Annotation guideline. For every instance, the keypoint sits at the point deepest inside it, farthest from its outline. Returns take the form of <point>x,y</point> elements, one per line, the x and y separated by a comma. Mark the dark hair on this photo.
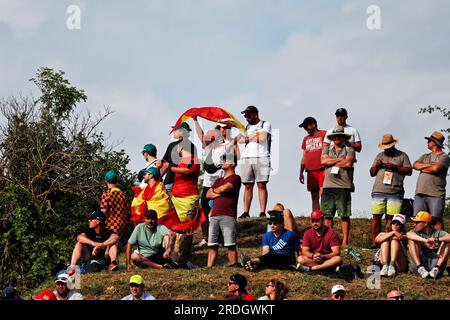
<point>228,156</point>
<point>281,290</point>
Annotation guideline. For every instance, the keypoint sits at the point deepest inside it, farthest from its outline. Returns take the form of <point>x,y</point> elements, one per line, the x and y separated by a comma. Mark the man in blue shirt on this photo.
<point>279,247</point>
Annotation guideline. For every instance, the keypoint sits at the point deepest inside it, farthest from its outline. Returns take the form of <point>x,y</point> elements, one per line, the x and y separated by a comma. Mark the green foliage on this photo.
<point>52,164</point>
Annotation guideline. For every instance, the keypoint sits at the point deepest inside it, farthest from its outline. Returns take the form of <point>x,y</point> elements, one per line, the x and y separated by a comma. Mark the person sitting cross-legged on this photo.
<point>320,246</point>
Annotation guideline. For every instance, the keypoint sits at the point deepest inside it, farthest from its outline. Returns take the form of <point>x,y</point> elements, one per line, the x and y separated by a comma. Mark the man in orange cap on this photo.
<point>320,246</point>
<point>430,188</point>
<point>428,254</point>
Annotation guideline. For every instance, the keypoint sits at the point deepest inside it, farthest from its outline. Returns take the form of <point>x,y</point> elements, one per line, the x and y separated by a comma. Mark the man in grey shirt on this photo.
<point>430,188</point>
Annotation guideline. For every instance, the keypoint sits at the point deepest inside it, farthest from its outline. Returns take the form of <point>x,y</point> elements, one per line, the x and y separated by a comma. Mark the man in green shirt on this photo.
<point>428,248</point>
<point>154,242</point>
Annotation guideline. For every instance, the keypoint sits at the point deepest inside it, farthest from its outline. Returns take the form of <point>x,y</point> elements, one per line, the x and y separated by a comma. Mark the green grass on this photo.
<point>207,284</point>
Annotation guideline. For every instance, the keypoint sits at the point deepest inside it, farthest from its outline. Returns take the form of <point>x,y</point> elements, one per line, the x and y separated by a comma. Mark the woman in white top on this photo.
<point>275,290</point>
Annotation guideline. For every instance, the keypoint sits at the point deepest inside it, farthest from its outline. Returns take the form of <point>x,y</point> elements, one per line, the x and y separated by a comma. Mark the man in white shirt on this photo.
<point>341,118</point>
<point>255,164</point>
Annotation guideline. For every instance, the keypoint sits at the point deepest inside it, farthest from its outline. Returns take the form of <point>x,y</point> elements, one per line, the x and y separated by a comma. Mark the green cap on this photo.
<point>154,172</point>
<point>150,149</point>
<point>183,125</point>
<point>111,176</point>
<point>137,279</point>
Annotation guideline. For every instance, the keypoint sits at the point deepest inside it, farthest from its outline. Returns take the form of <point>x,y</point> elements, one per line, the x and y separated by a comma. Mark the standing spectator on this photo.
<point>275,290</point>
<point>63,292</point>
<point>338,292</point>
<point>255,165</point>
<point>389,169</point>
<point>114,205</point>
<point>149,152</point>
<point>279,247</point>
<point>236,286</point>
<point>137,291</point>
<point>225,194</point>
<point>320,246</point>
<point>312,146</point>
<point>393,254</point>
<point>338,181</point>
<point>354,140</point>
<point>428,255</point>
<point>430,188</point>
<point>395,295</point>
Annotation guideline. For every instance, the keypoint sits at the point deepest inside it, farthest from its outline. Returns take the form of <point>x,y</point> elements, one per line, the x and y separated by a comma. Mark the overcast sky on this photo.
<point>151,60</point>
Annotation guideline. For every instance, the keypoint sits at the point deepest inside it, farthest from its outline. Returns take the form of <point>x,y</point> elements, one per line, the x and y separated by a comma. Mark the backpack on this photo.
<point>209,165</point>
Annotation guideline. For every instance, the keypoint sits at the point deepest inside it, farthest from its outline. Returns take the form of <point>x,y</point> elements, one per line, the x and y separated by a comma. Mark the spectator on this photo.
<point>338,292</point>
<point>338,182</point>
<point>137,289</point>
<point>114,205</point>
<point>236,286</point>
<point>92,244</point>
<point>255,164</point>
<point>320,246</point>
<point>354,140</point>
<point>275,290</point>
<point>279,247</point>
<point>430,188</point>
<point>389,169</point>
<point>62,291</point>
<point>312,146</point>
<point>46,295</point>
<point>10,293</point>
<point>428,255</point>
<point>149,152</point>
<point>225,194</point>
<point>395,295</point>
<point>154,241</point>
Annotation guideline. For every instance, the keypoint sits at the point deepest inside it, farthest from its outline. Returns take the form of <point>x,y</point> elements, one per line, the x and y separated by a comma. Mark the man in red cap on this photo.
<point>320,246</point>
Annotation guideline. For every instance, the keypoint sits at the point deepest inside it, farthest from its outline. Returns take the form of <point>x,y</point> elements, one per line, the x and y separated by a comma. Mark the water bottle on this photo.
<point>211,203</point>
<point>353,253</point>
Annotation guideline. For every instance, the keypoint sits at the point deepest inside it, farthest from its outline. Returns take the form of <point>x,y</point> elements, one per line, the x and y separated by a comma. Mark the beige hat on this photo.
<point>437,137</point>
<point>338,131</point>
<point>387,142</point>
<point>277,208</point>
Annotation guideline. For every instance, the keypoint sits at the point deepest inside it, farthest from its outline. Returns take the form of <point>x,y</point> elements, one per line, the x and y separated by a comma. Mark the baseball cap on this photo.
<point>276,216</point>
<point>45,295</point>
<point>151,215</point>
<point>154,172</point>
<point>137,279</point>
<point>111,176</point>
<point>317,214</point>
<point>400,218</point>
<point>307,121</point>
<point>98,215</point>
<point>150,149</point>
<point>63,277</point>
<point>336,288</point>
<point>341,112</point>
<point>183,125</point>
<point>422,216</point>
<point>250,109</point>
<point>240,280</point>
<point>9,292</point>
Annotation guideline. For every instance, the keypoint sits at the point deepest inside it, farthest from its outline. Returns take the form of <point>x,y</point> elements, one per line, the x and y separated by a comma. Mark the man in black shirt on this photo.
<point>93,243</point>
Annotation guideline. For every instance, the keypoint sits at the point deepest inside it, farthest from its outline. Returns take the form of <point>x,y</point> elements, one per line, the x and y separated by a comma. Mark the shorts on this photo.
<point>428,260</point>
<point>314,180</point>
<point>225,225</point>
<point>276,261</point>
<point>335,199</point>
<point>434,205</point>
<point>390,204</point>
<point>255,170</point>
<point>156,258</point>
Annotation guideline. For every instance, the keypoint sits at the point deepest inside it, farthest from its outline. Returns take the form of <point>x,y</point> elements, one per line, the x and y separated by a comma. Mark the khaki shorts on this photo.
<point>255,170</point>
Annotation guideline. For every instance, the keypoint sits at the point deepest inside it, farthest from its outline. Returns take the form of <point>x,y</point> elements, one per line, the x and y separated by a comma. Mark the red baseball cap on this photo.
<point>45,295</point>
<point>317,214</point>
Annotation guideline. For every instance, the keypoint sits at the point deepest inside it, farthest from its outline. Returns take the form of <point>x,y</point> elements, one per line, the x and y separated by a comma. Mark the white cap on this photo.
<point>64,277</point>
<point>400,218</point>
<point>336,288</point>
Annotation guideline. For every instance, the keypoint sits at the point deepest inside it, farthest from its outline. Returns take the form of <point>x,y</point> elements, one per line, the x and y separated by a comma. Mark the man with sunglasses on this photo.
<point>320,246</point>
<point>338,292</point>
<point>395,295</point>
<point>137,289</point>
<point>428,254</point>
<point>279,247</point>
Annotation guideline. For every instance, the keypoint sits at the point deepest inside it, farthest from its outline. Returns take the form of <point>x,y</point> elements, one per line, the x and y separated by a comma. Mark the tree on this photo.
<point>52,162</point>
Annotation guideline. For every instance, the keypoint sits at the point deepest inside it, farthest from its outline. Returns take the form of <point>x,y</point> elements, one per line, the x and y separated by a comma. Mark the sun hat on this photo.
<point>387,142</point>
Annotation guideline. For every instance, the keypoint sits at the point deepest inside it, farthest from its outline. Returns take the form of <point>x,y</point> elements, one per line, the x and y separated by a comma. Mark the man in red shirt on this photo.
<point>312,150</point>
<point>320,246</point>
<point>236,286</point>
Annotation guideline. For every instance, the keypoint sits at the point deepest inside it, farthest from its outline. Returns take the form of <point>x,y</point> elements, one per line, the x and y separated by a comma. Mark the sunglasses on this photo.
<point>315,220</point>
<point>274,223</point>
<point>230,283</point>
<point>134,285</point>
<point>397,223</point>
<point>270,285</point>
<point>339,296</point>
<point>397,298</point>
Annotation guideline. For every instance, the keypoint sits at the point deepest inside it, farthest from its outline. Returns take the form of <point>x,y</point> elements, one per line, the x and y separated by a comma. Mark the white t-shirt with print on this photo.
<point>217,152</point>
<point>254,149</point>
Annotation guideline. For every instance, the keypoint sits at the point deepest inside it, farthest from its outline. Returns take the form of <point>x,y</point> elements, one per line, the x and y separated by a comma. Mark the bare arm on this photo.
<point>112,240</point>
<point>214,193</point>
<point>306,251</point>
<point>383,236</point>
<point>184,171</point>
<point>433,168</point>
<point>302,168</point>
<point>265,250</point>
<point>82,237</point>
<point>417,165</point>
<point>357,146</point>
<point>198,130</point>
<point>335,252</point>
<point>347,162</point>
<point>326,160</point>
<point>414,237</point>
<point>128,256</point>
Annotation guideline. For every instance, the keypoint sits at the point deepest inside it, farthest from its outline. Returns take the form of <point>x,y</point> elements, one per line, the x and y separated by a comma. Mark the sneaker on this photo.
<point>243,259</point>
<point>249,266</point>
<point>113,267</point>
<point>262,215</point>
<point>201,244</point>
<point>303,268</point>
<point>423,272</point>
<point>435,272</point>
<point>244,215</point>
<point>384,270</point>
<point>391,271</point>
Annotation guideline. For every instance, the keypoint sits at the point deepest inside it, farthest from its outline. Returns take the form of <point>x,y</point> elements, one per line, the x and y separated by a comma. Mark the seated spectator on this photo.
<point>279,247</point>
<point>393,254</point>
<point>137,289</point>
<point>275,290</point>
<point>63,292</point>
<point>93,244</point>
<point>288,217</point>
<point>154,242</point>
<point>236,286</point>
<point>428,255</point>
<point>395,295</point>
<point>320,246</point>
<point>338,292</point>
<point>10,293</point>
<point>45,295</point>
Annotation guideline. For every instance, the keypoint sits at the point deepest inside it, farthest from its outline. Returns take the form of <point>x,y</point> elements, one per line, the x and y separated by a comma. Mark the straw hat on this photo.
<point>437,137</point>
<point>387,142</point>
<point>338,131</point>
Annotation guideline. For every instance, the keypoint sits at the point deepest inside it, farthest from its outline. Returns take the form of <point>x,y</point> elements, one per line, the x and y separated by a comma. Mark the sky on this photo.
<point>149,61</point>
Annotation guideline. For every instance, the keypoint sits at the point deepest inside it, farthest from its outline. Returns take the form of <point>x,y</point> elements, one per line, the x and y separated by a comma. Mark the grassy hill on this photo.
<point>207,284</point>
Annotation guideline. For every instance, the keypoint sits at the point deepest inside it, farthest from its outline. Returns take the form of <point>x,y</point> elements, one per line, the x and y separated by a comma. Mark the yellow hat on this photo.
<point>137,279</point>
<point>422,216</point>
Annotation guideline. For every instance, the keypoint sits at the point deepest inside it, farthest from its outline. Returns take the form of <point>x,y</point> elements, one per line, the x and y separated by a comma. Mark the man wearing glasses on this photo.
<point>428,248</point>
<point>236,287</point>
<point>338,292</point>
<point>320,246</point>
